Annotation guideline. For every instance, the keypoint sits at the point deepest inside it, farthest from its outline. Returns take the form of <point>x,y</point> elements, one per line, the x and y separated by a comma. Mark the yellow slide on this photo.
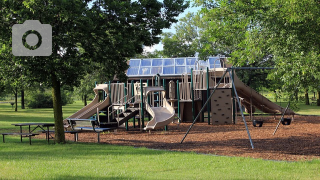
<point>161,116</point>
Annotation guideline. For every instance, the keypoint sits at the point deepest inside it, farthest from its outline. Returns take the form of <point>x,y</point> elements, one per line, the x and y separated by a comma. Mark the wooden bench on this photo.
<point>19,134</point>
<point>75,133</point>
<point>93,126</point>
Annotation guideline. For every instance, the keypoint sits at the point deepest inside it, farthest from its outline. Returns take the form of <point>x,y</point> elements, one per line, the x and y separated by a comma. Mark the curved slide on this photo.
<point>161,116</point>
<point>91,108</point>
<point>259,101</point>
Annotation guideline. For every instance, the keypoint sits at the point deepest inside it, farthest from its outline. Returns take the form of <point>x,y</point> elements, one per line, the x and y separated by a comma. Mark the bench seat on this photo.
<point>19,134</point>
<point>98,130</point>
<point>94,126</point>
<point>92,129</point>
<point>75,133</point>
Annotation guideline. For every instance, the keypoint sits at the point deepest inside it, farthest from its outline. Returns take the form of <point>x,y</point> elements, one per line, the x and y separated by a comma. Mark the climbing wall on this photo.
<point>221,107</point>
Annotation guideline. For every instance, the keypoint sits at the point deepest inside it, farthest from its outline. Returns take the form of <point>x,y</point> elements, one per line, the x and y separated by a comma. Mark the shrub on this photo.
<point>39,100</point>
<point>43,99</point>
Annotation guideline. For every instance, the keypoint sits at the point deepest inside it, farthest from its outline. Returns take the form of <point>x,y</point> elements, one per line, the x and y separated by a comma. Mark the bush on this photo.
<point>40,99</point>
<point>66,97</point>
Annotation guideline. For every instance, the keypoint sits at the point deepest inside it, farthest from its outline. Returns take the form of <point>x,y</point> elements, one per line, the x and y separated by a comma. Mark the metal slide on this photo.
<point>161,116</point>
<point>91,108</point>
<point>259,101</point>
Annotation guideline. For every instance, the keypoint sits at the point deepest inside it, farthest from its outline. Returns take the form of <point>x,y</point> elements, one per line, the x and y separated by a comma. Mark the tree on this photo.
<point>286,31</point>
<point>153,54</point>
<point>186,41</point>
<point>106,31</point>
<point>87,83</point>
<point>11,76</point>
<point>2,87</point>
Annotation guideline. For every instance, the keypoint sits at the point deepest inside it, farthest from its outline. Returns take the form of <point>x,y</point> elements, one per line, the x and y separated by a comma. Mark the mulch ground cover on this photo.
<point>298,141</point>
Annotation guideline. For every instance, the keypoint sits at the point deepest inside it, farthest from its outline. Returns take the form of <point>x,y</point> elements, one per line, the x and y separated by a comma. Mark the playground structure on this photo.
<point>163,89</point>
<point>125,106</point>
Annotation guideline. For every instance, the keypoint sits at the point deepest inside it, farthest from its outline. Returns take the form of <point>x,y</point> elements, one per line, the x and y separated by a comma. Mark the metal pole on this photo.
<point>133,99</point>
<point>239,104</point>
<point>281,119</point>
<point>132,91</point>
<point>233,102</point>
<point>203,107</point>
<point>178,100</point>
<point>164,87</point>
<point>192,94</point>
<point>208,92</point>
<point>109,88</point>
<point>157,93</point>
<point>125,94</point>
<point>125,106</point>
<point>148,100</point>
<point>142,108</point>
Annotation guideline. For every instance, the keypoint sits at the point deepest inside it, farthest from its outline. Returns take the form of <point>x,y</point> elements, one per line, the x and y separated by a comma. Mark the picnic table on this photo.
<point>36,126</point>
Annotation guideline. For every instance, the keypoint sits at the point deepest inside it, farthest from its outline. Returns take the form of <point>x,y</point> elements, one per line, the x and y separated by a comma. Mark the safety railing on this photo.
<point>111,114</point>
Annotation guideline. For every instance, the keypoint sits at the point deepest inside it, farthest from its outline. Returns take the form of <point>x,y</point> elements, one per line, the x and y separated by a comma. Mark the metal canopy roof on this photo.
<point>169,66</point>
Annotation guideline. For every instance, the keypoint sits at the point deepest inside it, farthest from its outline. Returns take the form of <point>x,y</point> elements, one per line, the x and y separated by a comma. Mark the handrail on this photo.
<point>156,75</point>
<point>112,106</point>
<point>118,102</point>
<point>120,105</point>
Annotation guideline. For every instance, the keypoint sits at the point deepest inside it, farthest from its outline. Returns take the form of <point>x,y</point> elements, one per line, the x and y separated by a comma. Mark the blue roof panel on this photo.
<point>180,62</point>
<point>157,62</point>
<point>156,70</point>
<point>134,63</point>
<point>168,70</point>
<point>169,66</point>
<point>145,62</point>
<point>168,62</point>
<point>191,61</point>
<point>145,71</point>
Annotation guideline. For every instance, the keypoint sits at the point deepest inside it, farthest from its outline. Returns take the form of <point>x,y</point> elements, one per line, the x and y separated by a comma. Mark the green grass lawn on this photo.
<point>308,109</point>
<point>303,109</point>
<point>103,161</point>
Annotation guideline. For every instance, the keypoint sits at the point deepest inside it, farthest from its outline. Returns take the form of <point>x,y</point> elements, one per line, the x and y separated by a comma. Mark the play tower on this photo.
<point>162,90</point>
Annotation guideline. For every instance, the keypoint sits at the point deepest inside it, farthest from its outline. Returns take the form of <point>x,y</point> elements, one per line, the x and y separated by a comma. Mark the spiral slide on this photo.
<point>259,101</point>
<point>161,116</point>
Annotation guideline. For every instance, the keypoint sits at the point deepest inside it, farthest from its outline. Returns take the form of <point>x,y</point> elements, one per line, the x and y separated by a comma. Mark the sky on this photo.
<point>159,46</point>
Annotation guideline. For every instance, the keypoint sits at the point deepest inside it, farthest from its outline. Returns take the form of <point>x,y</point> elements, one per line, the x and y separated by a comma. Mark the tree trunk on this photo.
<point>22,99</point>
<point>296,96</point>
<point>306,96</point>
<point>318,98</point>
<point>16,100</point>
<point>85,100</point>
<point>57,110</point>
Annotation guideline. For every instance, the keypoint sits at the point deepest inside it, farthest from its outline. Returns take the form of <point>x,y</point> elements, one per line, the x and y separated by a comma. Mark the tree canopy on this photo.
<point>187,39</point>
<point>286,33</point>
<point>84,31</point>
